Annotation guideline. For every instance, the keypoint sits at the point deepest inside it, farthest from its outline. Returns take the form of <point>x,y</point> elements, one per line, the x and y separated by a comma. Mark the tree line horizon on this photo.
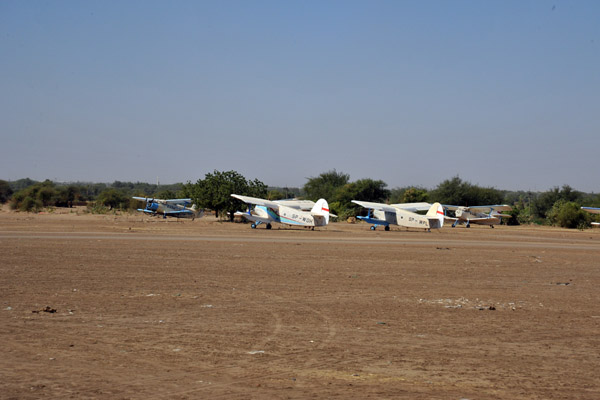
<point>559,206</point>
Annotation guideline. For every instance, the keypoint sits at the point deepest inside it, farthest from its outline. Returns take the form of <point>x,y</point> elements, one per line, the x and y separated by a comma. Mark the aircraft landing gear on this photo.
<point>468,225</point>
<point>268,226</point>
<point>492,226</point>
<point>373,227</point>
<point>253,226</point>
<point>387,228</point>
<point>454,225</point>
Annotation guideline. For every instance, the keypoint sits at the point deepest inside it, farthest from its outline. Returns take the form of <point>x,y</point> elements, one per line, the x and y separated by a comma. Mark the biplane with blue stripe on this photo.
<point>289,212</point>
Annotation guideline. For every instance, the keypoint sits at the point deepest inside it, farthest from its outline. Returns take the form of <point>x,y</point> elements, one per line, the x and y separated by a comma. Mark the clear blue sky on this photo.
<point>501,93</point>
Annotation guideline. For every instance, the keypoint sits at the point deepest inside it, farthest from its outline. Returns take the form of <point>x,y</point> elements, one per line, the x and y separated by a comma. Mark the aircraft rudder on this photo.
<point>321,209</point>
<point>436,211</point>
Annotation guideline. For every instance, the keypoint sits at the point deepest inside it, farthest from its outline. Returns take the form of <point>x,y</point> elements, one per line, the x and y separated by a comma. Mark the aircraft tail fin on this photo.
<point>435,216</point>
<point>321,211</point>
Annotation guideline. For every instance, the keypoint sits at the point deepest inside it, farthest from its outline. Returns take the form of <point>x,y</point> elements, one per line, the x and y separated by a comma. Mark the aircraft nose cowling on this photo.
<point>152,206</point>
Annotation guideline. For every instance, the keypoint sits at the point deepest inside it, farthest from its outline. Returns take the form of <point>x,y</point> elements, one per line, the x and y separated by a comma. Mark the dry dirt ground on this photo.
<point>147,308</point>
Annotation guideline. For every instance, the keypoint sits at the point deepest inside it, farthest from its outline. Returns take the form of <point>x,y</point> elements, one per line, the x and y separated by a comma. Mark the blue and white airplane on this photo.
<point>592,210</point>
<point>289,212</point>
<point>177,208</point>
<point>403,214</point>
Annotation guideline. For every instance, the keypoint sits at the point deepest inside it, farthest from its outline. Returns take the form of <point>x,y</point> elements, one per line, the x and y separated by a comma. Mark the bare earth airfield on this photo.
<point>146,308</point>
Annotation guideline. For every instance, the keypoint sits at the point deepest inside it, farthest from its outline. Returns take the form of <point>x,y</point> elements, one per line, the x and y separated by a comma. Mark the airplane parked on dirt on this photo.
<point>403,215</point>
<point>592,210</point>
<point>289,212</point>
<point>177,208</point>
<point>481,215</point>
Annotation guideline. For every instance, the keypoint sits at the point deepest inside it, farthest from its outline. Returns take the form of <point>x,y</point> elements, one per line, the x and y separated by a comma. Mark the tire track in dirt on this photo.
<point>391,240</point>
<point>276,365</point>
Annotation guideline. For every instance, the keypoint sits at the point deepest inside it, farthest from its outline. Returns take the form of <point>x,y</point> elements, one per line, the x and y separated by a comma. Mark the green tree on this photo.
<point>362,190</point>
<point>214,191</point>
<point>114,199</point>
<point>542,205</point>
<point>5,191</point>
<point>21,184</point>
<point>415,195</point>
<point>34,197</point>
<point>275,195</point>
<point>325,185</point>
<point>457,192</point>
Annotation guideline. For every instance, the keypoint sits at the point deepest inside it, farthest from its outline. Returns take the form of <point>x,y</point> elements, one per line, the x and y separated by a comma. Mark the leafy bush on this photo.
<point>568,214</point>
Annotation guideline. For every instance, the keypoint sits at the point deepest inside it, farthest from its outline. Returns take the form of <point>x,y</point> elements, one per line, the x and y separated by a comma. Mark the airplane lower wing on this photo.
<point>178,212</point>
<point>178,201</point>
<point>376,222</point>
<point>476,220</point>
<point>253,218</point>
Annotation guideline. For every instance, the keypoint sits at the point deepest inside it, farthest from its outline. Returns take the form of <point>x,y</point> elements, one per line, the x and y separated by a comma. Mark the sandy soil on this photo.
<point>147,308</point>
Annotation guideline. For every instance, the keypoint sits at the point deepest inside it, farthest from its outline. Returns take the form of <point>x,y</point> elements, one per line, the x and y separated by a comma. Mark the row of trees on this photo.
<point>558,206</point>
<point>29,195</point>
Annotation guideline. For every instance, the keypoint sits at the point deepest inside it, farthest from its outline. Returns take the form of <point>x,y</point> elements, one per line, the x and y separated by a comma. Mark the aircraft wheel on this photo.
<point>468,225</point>
<point>253,226</point>
<point>454,225</point>
<point>387,228</point>
<point>268,226</point>
<point>373,228</point>
<point>492,226</point>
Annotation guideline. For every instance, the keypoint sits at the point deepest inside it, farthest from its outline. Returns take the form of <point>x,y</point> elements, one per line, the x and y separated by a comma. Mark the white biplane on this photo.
<point>289,212</point>
<point>481,215</point>
<point>177,208</point>
<point>403,215</point>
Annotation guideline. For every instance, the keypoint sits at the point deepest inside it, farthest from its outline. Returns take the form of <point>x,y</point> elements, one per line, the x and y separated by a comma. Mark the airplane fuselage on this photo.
<point>175,210</point>
<point>402,218</point>
<point>285,215</point>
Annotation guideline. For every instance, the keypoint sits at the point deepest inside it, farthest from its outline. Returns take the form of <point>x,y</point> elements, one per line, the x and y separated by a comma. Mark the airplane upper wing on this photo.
<point>257,201</point>
<point>375,206</point>
<point>592,210</point>
<point>495,207</point>
<point>484,209</point>
<point>304,205</point>
<point>413,206</point>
